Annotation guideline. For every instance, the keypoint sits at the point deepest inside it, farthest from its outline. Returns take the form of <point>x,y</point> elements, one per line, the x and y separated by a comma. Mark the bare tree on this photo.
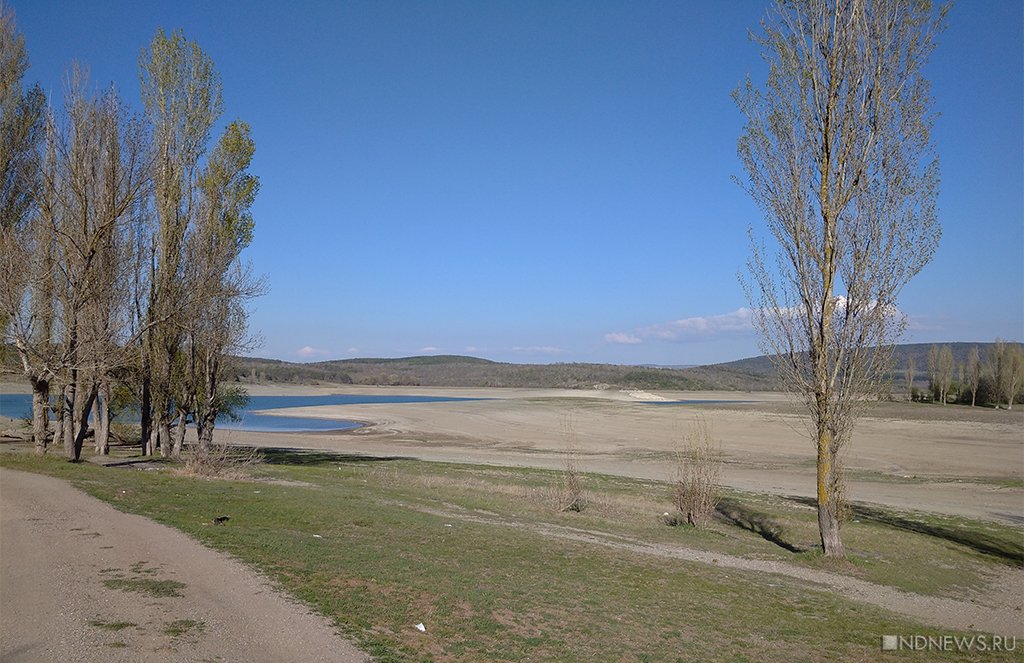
<point>96,177</point>
<point>973,373</point>
<point>838,155</point>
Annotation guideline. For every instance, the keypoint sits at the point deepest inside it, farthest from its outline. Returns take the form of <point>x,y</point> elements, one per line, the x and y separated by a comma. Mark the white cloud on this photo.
<point>686,329</point>
<point>538,350</point>
<point>352,351</point>
<point>736,322</point>
<point>308,352</point>
<point>429,349</point>
<point>623,338</point>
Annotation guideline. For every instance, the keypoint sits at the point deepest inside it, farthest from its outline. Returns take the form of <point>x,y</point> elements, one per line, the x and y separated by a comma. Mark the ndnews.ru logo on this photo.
<point>959,643</point>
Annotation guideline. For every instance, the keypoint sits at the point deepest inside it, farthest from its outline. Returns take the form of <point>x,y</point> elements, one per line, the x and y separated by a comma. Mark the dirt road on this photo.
<point>80,581</point>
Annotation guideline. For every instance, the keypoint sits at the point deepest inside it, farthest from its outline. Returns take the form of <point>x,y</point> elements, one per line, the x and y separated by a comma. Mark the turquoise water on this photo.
<point>20,405</point>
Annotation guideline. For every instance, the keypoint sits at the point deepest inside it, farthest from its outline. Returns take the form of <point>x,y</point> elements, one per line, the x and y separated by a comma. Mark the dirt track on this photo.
<point>61,548</point>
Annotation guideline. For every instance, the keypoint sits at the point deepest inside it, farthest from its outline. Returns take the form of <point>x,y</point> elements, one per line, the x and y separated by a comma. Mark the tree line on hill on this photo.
<point>121,233</point>
<point>457,371</point>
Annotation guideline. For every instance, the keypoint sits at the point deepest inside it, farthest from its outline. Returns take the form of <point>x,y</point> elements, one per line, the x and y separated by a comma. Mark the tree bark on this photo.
<point>208,420</point>
<point>68,419</point>
<point>58,421</point>
<point>165,437</point>
<point>146,422</point>
<point>103,422</point>
<point>96,426</point>
<point>828,511</point>
<point>40,413</point>
<point>151,442</point>
<point>179,434</point>
<point>83,406</point>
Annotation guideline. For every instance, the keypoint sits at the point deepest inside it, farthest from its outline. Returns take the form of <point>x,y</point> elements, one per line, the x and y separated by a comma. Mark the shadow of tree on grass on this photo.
<point>285,456</point>
<point>1000,547</point>
<point>759,523</point>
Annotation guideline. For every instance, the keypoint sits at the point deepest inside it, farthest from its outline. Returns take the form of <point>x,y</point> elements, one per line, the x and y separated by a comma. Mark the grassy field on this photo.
<point>494,571</point>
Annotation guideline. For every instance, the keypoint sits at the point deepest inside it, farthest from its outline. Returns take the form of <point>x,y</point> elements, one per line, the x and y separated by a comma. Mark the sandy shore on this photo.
<point>947,460</point>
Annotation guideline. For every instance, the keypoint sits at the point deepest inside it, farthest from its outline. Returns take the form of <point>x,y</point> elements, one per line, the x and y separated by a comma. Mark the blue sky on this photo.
<point>541,181</point>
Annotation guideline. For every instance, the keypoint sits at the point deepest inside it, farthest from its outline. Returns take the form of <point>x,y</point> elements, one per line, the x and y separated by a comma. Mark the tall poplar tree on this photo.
<point>181,94</point>
<point>839,159</point>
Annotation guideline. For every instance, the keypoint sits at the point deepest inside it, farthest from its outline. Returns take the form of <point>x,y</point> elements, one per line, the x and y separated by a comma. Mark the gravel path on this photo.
<point>81,581</point>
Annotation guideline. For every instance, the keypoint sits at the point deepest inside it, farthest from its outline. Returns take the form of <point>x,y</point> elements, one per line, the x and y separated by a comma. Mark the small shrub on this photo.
<point>698,470</point>
<point>571,494</point>
<point>220,461</point>
<point>124,433</point>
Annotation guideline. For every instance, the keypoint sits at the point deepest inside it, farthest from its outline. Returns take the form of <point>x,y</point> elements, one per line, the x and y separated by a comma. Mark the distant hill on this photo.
<point>459,371</point>
<point>751,374</point>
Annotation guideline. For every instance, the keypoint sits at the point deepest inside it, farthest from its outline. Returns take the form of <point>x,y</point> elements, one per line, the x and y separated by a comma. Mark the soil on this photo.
<point>85,582</point>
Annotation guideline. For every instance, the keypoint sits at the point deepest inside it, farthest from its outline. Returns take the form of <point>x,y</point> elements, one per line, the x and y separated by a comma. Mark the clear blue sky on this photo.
<point>541,181</point>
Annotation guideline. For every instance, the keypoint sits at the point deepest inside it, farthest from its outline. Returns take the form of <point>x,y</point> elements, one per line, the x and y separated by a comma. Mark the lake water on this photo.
<point>20,405</point>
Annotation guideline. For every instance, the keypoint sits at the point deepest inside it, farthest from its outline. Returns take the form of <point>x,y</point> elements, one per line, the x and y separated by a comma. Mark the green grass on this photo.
<point>154,588</point>
<point>142,583</point>
<point>381,546</point>
<point>180,627</point>
<point>111,626</point>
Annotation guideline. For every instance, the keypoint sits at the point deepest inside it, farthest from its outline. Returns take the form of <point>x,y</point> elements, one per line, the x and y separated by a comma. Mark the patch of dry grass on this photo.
<point>219,461</point>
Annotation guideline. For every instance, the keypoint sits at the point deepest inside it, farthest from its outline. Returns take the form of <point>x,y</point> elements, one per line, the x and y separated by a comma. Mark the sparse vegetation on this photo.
<point>180,627</point>
<point>698,470</point>
<point>111,626</point>
<point>571,494</point>
<point>479,556</point>
<point>219,460</point>
<point>147,586</point>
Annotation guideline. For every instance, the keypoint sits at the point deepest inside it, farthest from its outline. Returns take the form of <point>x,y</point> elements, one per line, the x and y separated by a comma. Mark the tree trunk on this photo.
<point>96,426</point>
<point>165,437</point>
<point>40,413</point>
<point>152,441</point>
<point>146,413</point>
<point>974,394</point>
<point>82,409</point>
<point>179,435</point>
<point>828,511</point>
<point>103,423</point>
<point>206,432</point>
<point>68,419</point>
<point>208,420</point>
<point>58,418</point>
